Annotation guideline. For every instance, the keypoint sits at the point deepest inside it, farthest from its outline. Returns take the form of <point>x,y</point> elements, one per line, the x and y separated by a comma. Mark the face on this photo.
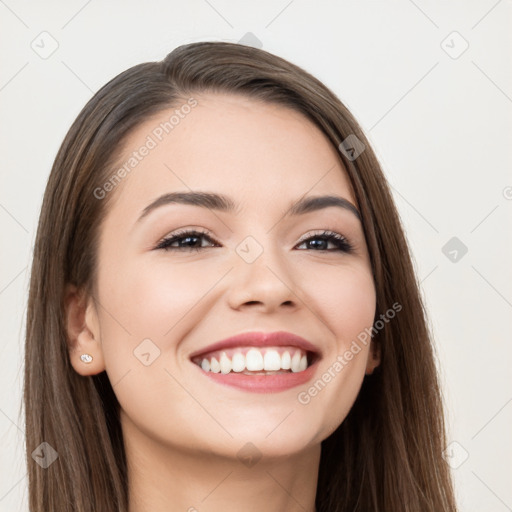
<point>258,268</point>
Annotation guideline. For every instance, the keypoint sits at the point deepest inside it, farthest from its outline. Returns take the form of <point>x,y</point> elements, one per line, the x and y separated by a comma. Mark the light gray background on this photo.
<point>440,123</point>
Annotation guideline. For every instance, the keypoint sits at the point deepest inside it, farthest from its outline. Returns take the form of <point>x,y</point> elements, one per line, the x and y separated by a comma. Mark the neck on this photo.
<point>171,479</point>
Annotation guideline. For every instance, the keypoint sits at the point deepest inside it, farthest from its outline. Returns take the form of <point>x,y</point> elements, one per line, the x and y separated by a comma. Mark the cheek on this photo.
<point>152,297</point>
<point>344,298</point>
<point>147,308</point>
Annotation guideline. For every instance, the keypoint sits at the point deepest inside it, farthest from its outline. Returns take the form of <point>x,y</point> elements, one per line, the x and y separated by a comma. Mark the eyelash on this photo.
<point>343,245</point>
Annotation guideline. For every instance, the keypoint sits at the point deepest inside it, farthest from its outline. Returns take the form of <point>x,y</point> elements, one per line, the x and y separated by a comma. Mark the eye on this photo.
<point>190,240</point>
<point>185,240</point>
<point>326,237</point>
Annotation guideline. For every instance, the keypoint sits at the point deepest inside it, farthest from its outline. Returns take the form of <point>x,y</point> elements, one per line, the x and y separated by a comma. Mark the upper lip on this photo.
<point>260,339</point>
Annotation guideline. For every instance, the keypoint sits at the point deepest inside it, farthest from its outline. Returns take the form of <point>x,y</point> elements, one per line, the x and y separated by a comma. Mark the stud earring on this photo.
<point>86,358</point>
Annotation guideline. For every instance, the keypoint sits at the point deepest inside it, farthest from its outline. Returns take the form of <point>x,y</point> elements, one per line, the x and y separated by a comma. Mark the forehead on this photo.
<point>251,150</point>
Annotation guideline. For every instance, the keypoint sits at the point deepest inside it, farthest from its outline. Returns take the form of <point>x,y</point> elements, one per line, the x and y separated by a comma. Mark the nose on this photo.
<point>265,283</point>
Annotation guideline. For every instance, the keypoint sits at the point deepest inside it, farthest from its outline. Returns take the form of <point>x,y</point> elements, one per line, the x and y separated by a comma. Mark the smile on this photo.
<point>259,362</point>
<point>255,360</point>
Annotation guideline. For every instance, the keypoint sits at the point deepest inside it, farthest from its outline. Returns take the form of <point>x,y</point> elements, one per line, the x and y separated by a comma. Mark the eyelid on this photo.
<point>320,232</point>
<point>329,234</point>
<point>186,231</point>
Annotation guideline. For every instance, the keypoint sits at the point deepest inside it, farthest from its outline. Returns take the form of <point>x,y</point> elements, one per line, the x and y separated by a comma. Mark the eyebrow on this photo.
<point>224,203</point>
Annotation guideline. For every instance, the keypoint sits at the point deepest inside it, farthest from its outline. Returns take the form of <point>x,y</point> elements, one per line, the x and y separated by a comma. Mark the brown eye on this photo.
<point>185,240</point>
<point>321,241</point>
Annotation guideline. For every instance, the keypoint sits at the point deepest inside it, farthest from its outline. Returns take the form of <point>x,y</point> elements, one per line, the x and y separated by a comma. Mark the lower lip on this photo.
<point>262,383</point>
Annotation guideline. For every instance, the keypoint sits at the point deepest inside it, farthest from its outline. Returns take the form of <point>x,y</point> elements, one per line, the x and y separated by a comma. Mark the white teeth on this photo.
<point>286,361</point>
<point>254,360</point>
<point>257,360</point>
<point>295,362</point>
<point>215,365</point>
<point>272,360</point>
<point>225,363</point>
<point>238,362</point>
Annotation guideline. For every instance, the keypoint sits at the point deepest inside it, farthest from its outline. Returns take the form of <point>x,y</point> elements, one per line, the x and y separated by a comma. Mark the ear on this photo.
<point>83,332</point>
<point>373,357</point>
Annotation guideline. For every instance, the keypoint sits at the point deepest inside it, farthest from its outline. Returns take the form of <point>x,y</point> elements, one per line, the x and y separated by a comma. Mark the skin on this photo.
<point>182,431</point>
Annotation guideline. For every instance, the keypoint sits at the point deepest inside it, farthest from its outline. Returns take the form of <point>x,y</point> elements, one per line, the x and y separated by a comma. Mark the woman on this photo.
<point>223,313</point>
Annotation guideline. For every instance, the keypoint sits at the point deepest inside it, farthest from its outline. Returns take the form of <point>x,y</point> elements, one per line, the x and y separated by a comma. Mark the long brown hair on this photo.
<point>387,453</point>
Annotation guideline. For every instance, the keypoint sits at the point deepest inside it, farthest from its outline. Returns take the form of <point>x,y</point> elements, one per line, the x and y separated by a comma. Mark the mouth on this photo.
<point>256,361</point>
<point>260,362</point>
